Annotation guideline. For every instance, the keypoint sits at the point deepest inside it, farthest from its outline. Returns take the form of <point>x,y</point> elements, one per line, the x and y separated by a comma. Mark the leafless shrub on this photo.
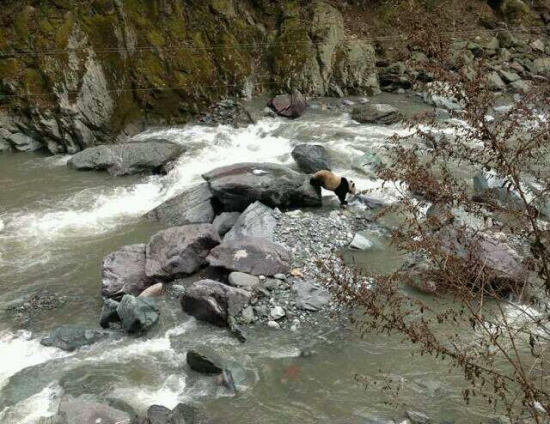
<point>480,251</point>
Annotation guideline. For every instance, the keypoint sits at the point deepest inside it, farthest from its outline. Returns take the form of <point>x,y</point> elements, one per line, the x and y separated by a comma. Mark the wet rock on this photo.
<point>179,251</point>
<point>277,313</point>
<point>237,186</point>
<point>418,417</point>
<point>123,272</point>
<point>70,337</point>
<point>109,314</point>
<point>214,302</point>
<point>225,221</point>
<point>244,281</point>
<point>289,106</point>
<point>309,297</point>
<point>258,220</point>
<point>360,242</point>
<point>137,314</point>
<point>193,206</point>
<point>311,158</point>
<point>158,414</point>
<point>256,256</point>
<point>24,143</point>
<point>376,114</point>
<point>200,363</point>
<point>83,410</point>
<point>126,159</point>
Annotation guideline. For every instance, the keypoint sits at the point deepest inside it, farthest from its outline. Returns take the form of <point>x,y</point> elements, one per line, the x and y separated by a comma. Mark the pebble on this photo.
<point>281,277</point>
<point>277,313</point>
<point>273,324</point>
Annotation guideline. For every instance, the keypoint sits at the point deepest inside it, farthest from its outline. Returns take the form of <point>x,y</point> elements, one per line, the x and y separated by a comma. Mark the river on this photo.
<point>57,224</point>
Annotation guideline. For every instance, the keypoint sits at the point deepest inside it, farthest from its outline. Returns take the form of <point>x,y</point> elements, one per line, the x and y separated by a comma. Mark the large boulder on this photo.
<point>225,221</point>
<point>126,159</point>
<point>84,410</point>
<point>179,251</point>
<point>237,186</point>
<point>123,272</point>
<point>310,297</point>
<point>288,105</point>
<point>376,114</point>
<point>193,206</point>
<point>72,337</point>
<point>181,414</point>
<point>109,314</point>
<point>311,158</point>
<point>251,255</point>
<point>214,302</point>
<point>258,220</point>
<point>137,314</point>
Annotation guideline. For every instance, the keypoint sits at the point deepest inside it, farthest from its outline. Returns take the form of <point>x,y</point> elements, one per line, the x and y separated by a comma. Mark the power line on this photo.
<point>237,46</point>
<point>146,89</point>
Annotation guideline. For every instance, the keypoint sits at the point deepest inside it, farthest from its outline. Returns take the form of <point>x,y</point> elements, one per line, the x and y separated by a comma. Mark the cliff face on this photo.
<point>77,73</point>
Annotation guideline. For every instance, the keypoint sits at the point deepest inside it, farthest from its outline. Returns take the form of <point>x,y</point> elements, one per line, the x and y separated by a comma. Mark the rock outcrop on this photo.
<point>83,97</point>
<point>235,187</point>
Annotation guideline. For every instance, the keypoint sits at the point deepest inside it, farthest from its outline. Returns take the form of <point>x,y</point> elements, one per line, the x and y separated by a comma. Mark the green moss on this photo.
<point>10,68</point>
<point>156,38</point>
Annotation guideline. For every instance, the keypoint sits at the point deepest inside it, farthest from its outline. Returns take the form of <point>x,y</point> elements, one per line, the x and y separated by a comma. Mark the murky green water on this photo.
<point>57,224</point>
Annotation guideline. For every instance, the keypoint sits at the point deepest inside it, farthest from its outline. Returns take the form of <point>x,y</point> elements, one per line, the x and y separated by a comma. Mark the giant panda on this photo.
<point>330,181</point>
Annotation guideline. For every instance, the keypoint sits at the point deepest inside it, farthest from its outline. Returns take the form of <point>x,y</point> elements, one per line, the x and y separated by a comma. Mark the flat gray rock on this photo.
<point>225,221</point>
<point>244,281</point>
<point>251,255</point>
<point>72,337</point>
<point>237,186</point>
<point>258,220</point>
<point>179,251</point>
<point>127,158</point>
<point>193,206</point>
<point>214,302</point>
<point>123,272</point>
<point>311,158</point>
<point>310,297</point>
<point>376,114</point>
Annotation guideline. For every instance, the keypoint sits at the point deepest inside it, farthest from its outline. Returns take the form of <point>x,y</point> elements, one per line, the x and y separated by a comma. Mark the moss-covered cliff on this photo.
<point>75,73</point>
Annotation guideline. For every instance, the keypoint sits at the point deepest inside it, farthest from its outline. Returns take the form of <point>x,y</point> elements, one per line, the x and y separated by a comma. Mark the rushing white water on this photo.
<point>29,411</point>
<point>96,210</point>
<point>18,351</point>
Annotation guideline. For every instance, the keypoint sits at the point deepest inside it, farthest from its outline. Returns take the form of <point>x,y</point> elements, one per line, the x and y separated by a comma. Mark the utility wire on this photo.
<point>237,46</point>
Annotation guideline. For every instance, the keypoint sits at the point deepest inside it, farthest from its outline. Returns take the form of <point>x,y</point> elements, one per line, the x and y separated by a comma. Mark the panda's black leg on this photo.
<point>342,197</point>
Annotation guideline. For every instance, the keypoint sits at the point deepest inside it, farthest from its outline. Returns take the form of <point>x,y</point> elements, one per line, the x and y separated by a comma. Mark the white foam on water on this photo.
<point>18,351</point>
<point>94,211</point>
<point>30,410</point>
<point>171,392</point>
